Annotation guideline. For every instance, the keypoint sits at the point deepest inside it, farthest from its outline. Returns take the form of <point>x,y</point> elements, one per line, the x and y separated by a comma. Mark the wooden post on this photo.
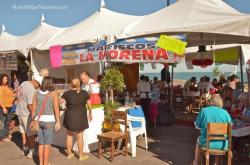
<point>241,70</point>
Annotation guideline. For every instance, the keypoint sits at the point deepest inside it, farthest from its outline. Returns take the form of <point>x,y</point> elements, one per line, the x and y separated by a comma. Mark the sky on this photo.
<point>22,16</point>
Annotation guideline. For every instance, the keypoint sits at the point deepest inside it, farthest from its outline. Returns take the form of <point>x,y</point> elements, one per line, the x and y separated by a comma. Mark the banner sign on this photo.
<point>127,51</point>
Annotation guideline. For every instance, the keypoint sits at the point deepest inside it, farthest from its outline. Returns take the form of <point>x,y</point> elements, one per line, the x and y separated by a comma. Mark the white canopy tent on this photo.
<point>103,24</point>
<point>6,39</point>
<point>22,44</point>
<point>205,22</point>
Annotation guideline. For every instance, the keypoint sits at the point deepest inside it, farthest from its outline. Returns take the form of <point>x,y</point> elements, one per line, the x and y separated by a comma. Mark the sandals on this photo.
<point>83,157</point>
<point>70,156</point>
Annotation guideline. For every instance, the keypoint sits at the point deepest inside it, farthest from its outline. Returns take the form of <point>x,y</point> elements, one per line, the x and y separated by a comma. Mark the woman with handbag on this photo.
<point>76,118</point>
<point>46,117</point>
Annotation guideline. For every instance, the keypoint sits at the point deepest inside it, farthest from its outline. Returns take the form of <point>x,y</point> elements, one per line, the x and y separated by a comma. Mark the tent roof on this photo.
<point>214,18</point>
<point>103,23</point>
<point>6,39</point>
<point>44,31</point>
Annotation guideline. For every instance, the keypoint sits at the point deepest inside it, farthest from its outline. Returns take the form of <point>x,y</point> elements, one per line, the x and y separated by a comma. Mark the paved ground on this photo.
<point>167,145</point>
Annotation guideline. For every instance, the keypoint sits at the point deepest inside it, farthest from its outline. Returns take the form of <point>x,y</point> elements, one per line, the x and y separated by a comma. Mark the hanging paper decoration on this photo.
<point>203,59</point>
<point>172,44</point>
<point>55,56</point>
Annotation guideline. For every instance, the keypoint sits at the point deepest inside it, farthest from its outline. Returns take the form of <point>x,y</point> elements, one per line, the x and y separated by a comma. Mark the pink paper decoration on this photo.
<point>55,56</point>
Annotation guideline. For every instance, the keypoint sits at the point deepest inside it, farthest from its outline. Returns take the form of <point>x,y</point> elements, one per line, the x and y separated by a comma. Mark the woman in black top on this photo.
<point>76,118</point>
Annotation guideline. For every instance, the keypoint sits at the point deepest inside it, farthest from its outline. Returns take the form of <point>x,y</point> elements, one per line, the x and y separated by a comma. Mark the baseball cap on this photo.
<point>38,78</point>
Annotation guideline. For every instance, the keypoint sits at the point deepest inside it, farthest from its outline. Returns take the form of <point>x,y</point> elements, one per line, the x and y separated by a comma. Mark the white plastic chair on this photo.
<point>134,132</point>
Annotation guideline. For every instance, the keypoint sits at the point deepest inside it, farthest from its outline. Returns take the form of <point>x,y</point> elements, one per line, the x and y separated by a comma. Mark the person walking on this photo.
<point>45,109</point>
<point>76,118</point>
<point>25,94</point>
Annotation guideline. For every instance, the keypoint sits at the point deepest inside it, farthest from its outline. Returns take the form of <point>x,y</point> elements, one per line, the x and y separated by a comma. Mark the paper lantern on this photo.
<point>202,59</point>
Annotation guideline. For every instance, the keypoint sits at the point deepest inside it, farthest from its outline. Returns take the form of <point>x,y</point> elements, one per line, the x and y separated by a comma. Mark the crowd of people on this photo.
<point>229,89</point>
<point>37,101</point>
<point>226,103</point>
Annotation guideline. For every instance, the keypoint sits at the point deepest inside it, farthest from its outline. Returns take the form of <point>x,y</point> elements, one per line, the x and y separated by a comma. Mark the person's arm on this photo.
<point>29,98</point>
<point>198,121</point>
<point>33,108</point>
<point>56,110</point>
<point>89,106</point>
<point>5,111</point>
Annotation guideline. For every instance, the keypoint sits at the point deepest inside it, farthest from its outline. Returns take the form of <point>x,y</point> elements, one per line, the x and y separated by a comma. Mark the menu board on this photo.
<point>8,62</point>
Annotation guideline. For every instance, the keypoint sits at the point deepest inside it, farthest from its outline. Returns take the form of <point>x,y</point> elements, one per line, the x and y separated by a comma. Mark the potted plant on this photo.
<point>113,80</point>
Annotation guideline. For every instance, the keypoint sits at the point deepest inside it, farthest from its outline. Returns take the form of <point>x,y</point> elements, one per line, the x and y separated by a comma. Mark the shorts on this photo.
<point>46,132</point>
<point>25,124</point>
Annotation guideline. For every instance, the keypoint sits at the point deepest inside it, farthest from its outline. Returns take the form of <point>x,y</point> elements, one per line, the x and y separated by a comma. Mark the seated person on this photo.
<point>243,119</point>
<point>189,83</point>
<point>227,98</point>
<point>213,113</point>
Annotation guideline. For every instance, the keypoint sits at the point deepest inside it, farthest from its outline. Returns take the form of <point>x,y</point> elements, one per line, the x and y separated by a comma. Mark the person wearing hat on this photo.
<point>25,94</point>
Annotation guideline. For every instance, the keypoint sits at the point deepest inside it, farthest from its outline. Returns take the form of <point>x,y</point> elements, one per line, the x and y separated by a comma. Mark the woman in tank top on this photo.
<point>45,108</point>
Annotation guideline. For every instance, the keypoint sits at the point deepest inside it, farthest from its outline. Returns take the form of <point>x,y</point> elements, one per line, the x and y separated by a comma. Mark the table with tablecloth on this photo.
<point>89,135</point>
<point>240,132</point>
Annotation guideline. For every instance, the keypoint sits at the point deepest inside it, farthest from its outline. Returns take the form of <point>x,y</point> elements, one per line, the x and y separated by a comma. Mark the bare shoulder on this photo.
<point>54,93</point>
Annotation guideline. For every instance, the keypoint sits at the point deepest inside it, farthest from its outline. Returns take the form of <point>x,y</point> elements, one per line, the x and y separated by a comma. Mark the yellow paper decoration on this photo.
<point>227,56</point>
<point>172,44</point>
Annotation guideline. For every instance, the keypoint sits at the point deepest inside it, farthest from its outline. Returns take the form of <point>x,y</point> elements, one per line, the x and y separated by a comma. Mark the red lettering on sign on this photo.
<point>113,54</point>
<point>161,53</point>
<point>89,57</point>
<point>81,57</point>
<point>124,54</point>
<point>148,54</point>
<point>136,54</point>
<point>101,55</point>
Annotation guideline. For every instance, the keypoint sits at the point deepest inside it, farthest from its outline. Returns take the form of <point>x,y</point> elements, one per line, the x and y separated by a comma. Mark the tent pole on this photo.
<point>171,89</point>
<point>241,69</point>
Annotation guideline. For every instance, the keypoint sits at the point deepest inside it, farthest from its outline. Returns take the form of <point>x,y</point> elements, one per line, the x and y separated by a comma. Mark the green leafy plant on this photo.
<point>113,80</point>
<point>217,72</point>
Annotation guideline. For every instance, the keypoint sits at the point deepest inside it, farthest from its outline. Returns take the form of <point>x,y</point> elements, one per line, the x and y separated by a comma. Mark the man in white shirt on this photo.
<point>144,90</point>
<point>25,94</point>
<point>92,87</point>
<point>205,86</point>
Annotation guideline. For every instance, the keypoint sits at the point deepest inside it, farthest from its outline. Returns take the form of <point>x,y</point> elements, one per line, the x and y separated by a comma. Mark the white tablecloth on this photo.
<point>239,132</point>
<point>90,134</point>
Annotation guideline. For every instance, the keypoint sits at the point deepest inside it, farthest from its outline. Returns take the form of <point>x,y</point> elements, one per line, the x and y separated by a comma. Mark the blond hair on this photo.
<point>75,83</point>
<point>216,101</point>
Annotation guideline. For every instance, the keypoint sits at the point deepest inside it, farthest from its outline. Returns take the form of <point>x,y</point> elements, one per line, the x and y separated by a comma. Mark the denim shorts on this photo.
<point>46,132</point>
